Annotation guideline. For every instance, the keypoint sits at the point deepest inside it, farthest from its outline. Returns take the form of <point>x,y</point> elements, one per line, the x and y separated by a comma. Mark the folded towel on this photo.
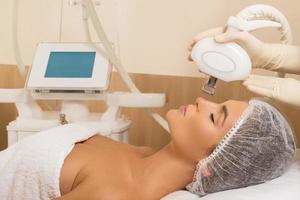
<point>30,169</point>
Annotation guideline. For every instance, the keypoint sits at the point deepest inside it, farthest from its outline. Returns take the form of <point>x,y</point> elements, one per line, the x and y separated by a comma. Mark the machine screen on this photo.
<point>70,65</point>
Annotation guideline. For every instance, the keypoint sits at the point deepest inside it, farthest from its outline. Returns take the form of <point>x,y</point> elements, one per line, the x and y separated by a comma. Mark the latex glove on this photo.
<point>276,57</point>
<point>284,89</point>
<point>251,44</point>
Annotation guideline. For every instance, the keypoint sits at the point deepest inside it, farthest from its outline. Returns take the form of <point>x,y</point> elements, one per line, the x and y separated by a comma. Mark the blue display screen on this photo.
<point>70,65</point>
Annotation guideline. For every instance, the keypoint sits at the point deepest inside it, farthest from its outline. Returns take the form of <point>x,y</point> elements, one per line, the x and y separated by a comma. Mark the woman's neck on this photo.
<point>163,172</point>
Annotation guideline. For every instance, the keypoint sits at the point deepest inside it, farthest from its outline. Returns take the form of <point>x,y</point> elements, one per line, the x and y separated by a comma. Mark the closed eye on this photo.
<point>212,117</point>
<point>196,104</point>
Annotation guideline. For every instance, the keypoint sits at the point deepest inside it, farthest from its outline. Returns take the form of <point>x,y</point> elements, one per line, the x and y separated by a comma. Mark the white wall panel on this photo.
<point>72,26</point>
<point>150,36</point>
<point>6,55</point>
<point>154,35</point>
<point>38,22</point>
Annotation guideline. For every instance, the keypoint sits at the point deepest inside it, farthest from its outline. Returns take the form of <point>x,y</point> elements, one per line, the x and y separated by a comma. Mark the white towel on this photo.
<point>30,169</point>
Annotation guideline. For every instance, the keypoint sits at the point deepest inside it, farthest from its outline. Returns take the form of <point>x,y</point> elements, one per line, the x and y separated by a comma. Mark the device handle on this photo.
<point>266,12</point>
<point>270,13</point>
<point>244,25</point>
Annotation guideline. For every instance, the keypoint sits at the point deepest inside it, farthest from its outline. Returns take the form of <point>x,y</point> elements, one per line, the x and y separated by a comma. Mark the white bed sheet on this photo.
<point>286,187</point>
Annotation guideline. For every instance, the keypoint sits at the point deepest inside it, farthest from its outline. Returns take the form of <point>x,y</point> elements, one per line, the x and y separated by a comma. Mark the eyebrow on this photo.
<point>225,112</point>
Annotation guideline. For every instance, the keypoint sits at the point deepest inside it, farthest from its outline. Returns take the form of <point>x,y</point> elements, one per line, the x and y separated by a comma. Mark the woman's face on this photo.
<point>197,129</point>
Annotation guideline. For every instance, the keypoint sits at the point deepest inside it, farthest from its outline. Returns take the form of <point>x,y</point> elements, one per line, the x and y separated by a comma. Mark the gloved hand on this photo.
<point>276,57</point>
<point>251,44</point>
<point>284,89</point>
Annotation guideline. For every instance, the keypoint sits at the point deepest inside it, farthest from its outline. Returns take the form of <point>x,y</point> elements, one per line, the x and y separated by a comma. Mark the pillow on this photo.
<point>286,187</point>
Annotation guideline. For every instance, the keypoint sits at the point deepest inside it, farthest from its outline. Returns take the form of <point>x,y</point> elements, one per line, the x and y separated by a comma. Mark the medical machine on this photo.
<point>68,71</point>
<point>74,73</point>
<point>230,62</point>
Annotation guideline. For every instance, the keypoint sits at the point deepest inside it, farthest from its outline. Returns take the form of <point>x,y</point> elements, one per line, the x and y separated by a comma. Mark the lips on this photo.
<point>183,109</point>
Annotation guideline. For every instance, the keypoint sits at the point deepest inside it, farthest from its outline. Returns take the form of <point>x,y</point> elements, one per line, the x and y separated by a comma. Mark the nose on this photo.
<point>203,102</point>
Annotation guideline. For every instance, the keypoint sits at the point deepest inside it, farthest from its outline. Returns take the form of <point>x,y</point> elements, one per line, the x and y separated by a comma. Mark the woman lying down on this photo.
<point>214,147</point>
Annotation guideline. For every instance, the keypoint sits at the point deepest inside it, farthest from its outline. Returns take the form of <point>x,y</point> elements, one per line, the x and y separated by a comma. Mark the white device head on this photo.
<point>228,62</point>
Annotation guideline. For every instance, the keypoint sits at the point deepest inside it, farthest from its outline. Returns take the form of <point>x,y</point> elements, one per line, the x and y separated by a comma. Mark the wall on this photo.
<point>150,36</point>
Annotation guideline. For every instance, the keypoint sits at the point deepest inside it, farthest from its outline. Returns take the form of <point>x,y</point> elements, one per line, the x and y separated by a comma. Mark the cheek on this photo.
<point>204,135</point>
<point>190,131</point>
<point>193,133</point>
<point>200,127</point>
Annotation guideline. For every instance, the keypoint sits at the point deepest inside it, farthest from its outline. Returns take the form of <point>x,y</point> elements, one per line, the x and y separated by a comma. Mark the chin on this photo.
<point>171,114</point>
<point>172,118</point>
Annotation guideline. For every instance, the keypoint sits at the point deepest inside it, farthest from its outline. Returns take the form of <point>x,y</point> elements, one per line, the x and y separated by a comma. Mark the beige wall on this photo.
<point>151,36</point>
<point>159,31</point>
